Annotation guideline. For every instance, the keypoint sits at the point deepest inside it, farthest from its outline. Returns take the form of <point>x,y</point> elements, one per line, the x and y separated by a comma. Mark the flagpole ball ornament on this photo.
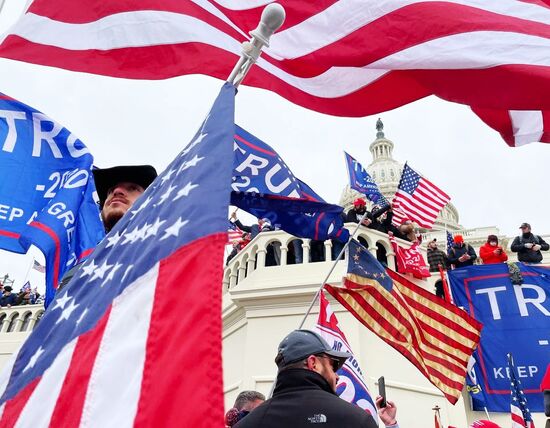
<point>272,18</point>
<point>300,344</point>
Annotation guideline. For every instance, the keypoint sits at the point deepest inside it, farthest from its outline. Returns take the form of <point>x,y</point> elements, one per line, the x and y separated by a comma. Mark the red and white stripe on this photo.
<point>517,418</point>
<point>422,206</point>
<point>342,57</point>
<point>129,359</point>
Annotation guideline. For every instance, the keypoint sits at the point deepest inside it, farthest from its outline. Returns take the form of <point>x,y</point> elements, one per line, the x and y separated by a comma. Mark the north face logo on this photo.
<point>317,419</point>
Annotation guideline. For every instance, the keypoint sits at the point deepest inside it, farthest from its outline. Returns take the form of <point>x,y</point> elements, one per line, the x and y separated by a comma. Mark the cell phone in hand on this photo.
<point>382,390</point>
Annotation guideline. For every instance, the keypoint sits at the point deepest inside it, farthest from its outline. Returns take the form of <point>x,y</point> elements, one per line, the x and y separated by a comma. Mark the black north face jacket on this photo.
<point>304,399</point>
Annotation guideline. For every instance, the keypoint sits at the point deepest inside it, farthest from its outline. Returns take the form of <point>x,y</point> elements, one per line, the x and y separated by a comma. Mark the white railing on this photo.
<point>276,249</point>
<point>20,319</point>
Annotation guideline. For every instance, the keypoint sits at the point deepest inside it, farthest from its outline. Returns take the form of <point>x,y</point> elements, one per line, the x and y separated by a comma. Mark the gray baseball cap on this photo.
<point>301,344</point>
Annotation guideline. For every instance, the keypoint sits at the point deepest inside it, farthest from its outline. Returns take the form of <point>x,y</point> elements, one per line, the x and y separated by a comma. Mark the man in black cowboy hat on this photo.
<point>117,188</point>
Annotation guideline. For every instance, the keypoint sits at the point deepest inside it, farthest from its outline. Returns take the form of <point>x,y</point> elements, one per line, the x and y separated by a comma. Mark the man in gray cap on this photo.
<point>528,245</point>
<point>305,389</point>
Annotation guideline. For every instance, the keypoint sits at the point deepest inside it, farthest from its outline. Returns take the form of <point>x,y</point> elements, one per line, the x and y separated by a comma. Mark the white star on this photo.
<point>193,144</point>
<point>61,301</point>
<point>34,359</point>
<point>174,230</point>
<point>111,274</point>
<point>67,312</point>
<point>113,240</point>
<point>128,269</point>
<point>100,271</point>
<point>89,268</point>
<point>132,236</point>
<point>192,162</point>
<point>167,176</point>
<point>166,194</point>
<point>143,205</point>
<point>152,231</point>
<point>82,315</point>
<point>143,231</point>
<point>185,191</point>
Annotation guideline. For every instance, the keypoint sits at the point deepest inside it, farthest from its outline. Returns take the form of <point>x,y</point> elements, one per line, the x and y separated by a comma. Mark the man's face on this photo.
<point>433,245</point>
<point>360,209</point>
<point>324,365</point>
<point>525,229</point>
<point>120,198</point>
<point>251,405</point>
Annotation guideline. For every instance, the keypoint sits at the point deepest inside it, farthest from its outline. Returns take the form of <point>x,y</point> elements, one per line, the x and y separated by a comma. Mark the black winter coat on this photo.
<point>456,252</point>
<point>527,255</point>
<point>381,226</point>
<point>303,399</point>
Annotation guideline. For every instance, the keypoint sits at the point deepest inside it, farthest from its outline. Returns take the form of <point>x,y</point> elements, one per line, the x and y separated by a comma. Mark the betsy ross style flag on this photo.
<point>323,58</point>
<point>111,348</point>
<point>436,336</point>
<point>417,199</point>
<point>521,416</point>
<point>360,180</point>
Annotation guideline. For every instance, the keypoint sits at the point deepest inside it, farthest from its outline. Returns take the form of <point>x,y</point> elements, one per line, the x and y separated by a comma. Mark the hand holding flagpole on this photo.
<point>272,18</point>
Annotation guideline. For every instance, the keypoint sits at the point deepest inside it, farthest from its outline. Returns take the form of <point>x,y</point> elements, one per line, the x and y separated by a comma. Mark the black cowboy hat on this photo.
<point>106,178</point>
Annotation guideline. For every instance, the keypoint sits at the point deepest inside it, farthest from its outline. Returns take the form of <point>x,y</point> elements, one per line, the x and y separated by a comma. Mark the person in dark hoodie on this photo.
<point>305,389</point>
<point>461,254</point>
<point>529,246</point>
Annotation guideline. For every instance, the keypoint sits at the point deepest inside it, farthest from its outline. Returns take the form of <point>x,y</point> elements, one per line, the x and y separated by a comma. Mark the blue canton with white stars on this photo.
<point>517,396</point>
<point>187,201</point>
<point>409,180</point>
<point>362,263</point>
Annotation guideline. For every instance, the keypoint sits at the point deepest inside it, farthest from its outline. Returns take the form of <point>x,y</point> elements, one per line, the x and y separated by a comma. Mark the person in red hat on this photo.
<point>491,252</point>
<point>356,213</point>
<point>461,254</point>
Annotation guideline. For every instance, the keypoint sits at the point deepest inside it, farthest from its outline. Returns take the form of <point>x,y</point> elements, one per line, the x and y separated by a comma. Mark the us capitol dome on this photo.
<point>386,172</point>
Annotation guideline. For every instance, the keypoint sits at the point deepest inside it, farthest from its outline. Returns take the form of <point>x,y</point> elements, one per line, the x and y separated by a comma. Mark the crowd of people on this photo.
<point>26,296</point>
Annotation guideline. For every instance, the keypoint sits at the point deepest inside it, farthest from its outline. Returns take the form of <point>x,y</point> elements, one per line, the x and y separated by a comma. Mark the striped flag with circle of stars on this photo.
<point>110,349</point>
<point>521,416</point>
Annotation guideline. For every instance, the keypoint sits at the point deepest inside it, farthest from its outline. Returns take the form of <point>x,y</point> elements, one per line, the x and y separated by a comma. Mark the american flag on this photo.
<point>521,416</point>
<point>417,199</point>
<point>436,336</point>
<point>145,308</point>
<point>37,266</point>
<point>450,241</point>
<point>489,54</point>
<point>233,233</point>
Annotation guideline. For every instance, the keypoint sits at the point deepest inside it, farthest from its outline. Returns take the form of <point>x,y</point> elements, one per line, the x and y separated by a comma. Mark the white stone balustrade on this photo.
<point>251,260</point>
<point>20,319</point>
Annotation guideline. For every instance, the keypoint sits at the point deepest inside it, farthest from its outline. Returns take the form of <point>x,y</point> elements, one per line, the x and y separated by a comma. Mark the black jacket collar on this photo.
<point>300,379</point>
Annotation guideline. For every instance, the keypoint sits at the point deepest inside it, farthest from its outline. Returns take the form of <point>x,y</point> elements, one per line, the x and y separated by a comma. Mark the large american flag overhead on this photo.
<point>135,338</point>
<point>341,57</point>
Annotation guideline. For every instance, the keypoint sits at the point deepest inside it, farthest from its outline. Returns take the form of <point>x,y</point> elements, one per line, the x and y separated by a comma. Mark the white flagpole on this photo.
<point>272,18</point>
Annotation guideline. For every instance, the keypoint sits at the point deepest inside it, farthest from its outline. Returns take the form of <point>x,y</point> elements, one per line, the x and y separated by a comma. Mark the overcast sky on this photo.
<point>133,122</point>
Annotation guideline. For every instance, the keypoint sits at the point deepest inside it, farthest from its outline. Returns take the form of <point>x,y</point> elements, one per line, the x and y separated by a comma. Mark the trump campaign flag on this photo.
<point>410,260</point>
<point>265,186</point>
<point>488,54</point>
<point>110,349</point>
<point>436,336</point>
<point>46,191</point>
<point>516,319</point>
<point>360,180</point>
<point>351,384</point>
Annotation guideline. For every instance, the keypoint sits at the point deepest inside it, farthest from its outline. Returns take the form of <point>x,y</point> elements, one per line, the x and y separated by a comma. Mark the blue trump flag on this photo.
<point>360,180</point>
<point>264,186</point>
<point>516,319</point>
<point>46,193</point>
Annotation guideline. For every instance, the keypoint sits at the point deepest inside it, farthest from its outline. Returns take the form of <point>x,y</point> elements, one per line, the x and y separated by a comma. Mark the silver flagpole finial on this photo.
<point>272,18</point>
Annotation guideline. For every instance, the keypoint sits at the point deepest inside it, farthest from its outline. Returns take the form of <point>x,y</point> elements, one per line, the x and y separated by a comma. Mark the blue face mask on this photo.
<point>242,414</point>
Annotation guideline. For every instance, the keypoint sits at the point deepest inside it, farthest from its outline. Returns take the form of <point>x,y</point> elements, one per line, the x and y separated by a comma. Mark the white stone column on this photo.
<point>328,250</point>
<point>305,255</point>
<point>250,265</point>
<point>261,258</point>
<point>390,256</point>
<point>242,273</point>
